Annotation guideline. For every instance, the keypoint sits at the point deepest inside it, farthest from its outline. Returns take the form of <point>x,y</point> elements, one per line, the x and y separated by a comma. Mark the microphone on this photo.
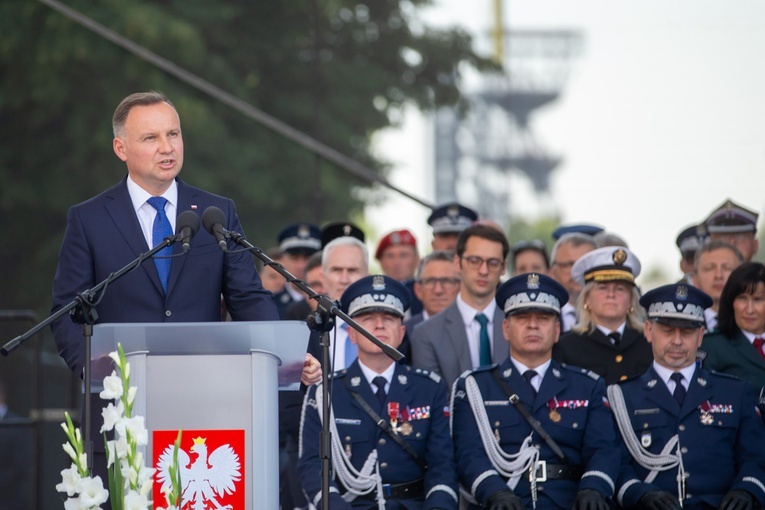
<point>187,226</point>
<point>213,220</point>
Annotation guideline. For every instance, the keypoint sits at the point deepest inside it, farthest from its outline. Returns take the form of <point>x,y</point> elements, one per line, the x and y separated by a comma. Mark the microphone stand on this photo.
<point>83,311</point>
<point>322,320</point>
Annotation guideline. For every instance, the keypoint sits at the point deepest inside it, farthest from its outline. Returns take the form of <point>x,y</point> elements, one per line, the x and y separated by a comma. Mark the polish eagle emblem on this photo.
<point>205,479</point>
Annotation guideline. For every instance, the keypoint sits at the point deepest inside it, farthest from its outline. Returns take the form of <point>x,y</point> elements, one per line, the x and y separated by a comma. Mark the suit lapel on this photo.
<point>657,392</point>
<point>457,336</point>
<point>553,383</point>
<point>748,353</point>
<point>120,208</point>
<point>699,391</point>
<point>400,387</point>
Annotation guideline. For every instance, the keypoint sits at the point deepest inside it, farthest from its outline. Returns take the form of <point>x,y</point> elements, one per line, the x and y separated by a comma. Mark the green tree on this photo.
<point>336,69</point>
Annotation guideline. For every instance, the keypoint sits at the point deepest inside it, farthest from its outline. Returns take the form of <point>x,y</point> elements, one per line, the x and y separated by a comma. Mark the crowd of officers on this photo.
<point>563,386</point>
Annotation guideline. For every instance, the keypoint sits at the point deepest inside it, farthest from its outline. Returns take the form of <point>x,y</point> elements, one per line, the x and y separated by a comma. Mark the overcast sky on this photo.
<point>662,118</point>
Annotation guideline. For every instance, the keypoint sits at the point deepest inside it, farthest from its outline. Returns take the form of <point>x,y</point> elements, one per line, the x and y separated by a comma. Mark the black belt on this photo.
<point>409,490</point>
<point>547,471</point>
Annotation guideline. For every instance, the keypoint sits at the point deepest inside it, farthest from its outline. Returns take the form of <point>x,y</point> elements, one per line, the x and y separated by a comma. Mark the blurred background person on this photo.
<point>604,238</point>
<point>529,257</point>
<point>272,281</point>
<point>296,242</point>
<point>734,224</point>
<point>608,339</point>
<point>688,241</point>
<point>448,221</point>
<point>713,263</point>
<point>299,310</point>
<point>737,349</point>
<point>566,251</point>
<point>397,254</point>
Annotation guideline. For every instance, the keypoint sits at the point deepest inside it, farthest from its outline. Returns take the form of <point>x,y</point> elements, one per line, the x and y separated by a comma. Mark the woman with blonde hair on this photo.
<point>608,336</point>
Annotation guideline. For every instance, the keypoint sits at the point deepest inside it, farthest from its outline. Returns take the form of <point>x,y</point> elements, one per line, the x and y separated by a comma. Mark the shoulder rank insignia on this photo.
<point>434,377</point>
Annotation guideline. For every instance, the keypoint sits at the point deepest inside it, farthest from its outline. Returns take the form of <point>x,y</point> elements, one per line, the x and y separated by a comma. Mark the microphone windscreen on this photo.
<point>188,219</point>
<point>213,216</point>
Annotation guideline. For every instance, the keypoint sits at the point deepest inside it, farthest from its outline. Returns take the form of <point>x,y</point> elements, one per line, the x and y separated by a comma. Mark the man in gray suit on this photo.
<point>468,333</point>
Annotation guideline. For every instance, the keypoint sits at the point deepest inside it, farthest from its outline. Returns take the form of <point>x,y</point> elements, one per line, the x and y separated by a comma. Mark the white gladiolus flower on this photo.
<point>110,453</point>
<point>131,394</point>
<point>111,415</point>
<point>70,481</point>
<point>135,427</point>
<point>74,504</point>
<point>135,501</point>
<point>69,449</point>
<point>114,355</point>
<point>112,387</point>
<point>121,447</point>
<point>93,492</point>
<point>83,459</point>
<point>146,486</point>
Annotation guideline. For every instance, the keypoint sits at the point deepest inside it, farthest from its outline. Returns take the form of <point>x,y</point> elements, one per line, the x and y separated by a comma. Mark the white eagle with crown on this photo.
<point>204,479</point>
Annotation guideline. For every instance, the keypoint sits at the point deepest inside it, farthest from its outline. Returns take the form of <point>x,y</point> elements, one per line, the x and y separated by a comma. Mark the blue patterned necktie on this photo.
<point>159,231</point>
<point>484,356</point>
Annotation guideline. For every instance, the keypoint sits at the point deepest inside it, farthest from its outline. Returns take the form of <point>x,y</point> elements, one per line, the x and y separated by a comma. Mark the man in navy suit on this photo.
<point>390,430</point>
<point>108,231</point>
<point>692,438</point>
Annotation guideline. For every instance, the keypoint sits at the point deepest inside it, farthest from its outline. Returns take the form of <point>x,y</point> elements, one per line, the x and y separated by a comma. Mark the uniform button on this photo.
<point>681,428</point>
<point>645,425</point>
<point>575,425</point>
<point>683,450</point>
<point>348,438</point>
<point>168,313</point>
<point>623,378</point>
<point>384,465</point>
<point>619,358</point>
<point>419,434</point>
<point>496,424</point>
<point>381,442</point>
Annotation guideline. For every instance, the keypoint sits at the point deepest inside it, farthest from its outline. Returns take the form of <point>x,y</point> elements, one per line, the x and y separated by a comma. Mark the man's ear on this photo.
<point>119,148</point>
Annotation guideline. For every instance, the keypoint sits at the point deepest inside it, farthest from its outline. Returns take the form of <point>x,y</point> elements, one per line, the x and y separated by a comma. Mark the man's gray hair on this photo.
<point>345,241</point>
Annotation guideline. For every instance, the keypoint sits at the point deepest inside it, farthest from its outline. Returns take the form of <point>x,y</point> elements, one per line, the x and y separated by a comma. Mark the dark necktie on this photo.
<point>529,375</point>
<point>615,337</point>
<point>484,356</point>
<point>160,230</point>
<point>380,382</point>
<point>679,392</point>
<point>758,343</point>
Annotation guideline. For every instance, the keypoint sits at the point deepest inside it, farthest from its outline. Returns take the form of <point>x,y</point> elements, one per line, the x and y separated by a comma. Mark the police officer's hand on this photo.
<point>504,500</point>
<point>589,499</point>
<point>737,500</point>
<point>659,500</point>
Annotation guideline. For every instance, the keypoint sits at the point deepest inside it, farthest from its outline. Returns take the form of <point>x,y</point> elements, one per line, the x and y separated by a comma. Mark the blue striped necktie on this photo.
<point>160,230</point>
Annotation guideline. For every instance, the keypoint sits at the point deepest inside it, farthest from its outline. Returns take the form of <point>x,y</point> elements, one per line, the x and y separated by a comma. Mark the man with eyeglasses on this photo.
<point>567,250</point>
<point>436,285</point>
<point>735,225</point>
<point>468,333</point>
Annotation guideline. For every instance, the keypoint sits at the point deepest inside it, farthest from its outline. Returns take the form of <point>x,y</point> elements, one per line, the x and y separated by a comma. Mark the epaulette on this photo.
<point>578,370</point>
<point>339,374</point>
<point>426,373</point>
<point>727,376</point>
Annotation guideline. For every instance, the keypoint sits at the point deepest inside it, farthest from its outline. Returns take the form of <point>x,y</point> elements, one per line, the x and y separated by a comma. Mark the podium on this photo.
<point>211,376</point>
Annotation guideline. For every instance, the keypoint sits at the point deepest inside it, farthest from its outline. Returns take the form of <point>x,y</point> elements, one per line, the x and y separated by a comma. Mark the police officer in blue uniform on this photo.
<point>297,243</point>
<point>692,438</point>
<point>532,433</point>
<point>390,428</point>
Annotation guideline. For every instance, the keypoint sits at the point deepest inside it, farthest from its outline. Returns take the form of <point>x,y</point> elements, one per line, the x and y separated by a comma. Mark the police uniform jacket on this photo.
<point>584,432</point>
<point>719,454</point>
<point>424,393</point>
<point>736,356</point>
<point>593,351</point>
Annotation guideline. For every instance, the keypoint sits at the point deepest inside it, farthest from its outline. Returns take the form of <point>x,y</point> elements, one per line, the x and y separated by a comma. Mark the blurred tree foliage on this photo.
<point>336,69</point>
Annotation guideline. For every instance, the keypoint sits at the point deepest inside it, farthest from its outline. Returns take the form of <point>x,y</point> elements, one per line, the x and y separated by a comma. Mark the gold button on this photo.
<point>619,358</point>
<point>623,378</point>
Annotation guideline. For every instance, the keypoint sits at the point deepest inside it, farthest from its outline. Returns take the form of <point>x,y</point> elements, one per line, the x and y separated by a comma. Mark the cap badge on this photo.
<point>532,281</point>
<point>346,230</point>
<point>303,231</point>
<point>682,292</point>
<point>619,257</point>
<point>378,283</point>
<point>453,211</point>
<point>395,238</point>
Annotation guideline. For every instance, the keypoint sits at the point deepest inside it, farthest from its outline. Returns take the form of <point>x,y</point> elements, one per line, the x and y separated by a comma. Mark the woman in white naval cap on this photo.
<point>608,336</point>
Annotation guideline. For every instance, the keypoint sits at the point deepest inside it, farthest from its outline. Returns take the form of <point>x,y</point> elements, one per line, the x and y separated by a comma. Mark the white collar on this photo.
<point>665,373</point>
<point>606,331</point>
<point>468,312</point>
<point>139,196</point>
<point>370,374</point>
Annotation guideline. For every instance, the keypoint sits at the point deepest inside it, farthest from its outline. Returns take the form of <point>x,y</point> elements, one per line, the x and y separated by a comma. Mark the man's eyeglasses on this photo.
<point>475,262</point>
<point>446,283</point>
